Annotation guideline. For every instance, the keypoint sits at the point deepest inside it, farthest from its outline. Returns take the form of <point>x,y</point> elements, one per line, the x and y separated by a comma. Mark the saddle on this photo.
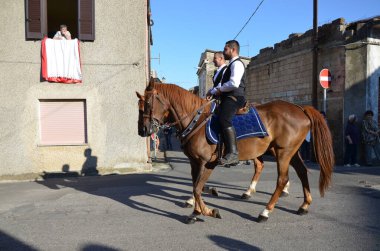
<point>244,109</point>
<point>247,123</point>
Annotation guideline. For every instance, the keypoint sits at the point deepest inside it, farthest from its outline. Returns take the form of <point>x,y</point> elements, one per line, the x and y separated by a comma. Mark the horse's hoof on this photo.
<point>187,205</point>
<point>302,211</point>
<point>262,219</point>
<point>214,192</point>
<point>216,214</point>
<point>190,220</point>
<point>245,196</point>
<point>284,194</point>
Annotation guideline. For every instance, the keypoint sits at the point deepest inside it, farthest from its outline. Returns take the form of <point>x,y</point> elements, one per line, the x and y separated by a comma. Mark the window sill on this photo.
<point>68,144</point>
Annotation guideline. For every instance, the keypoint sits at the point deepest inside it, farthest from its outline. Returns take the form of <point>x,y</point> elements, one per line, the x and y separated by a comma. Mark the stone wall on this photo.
<point>284,71</point>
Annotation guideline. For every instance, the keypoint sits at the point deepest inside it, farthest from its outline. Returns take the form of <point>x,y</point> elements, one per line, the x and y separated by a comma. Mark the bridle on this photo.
<point>166,106</point>
<point>156,122</point>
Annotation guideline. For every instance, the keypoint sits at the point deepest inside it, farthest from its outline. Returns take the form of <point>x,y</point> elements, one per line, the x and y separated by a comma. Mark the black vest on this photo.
<point>226,77</point>
<point>219,77</point>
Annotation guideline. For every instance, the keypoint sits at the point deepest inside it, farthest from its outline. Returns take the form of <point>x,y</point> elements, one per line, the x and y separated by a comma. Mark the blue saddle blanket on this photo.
<point>247,125</point>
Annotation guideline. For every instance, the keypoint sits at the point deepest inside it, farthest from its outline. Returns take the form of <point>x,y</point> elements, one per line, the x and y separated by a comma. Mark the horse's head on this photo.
<point>155,111</point>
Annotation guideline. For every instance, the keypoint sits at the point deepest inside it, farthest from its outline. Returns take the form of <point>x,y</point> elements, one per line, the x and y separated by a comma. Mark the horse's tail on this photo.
<point>323,147</point>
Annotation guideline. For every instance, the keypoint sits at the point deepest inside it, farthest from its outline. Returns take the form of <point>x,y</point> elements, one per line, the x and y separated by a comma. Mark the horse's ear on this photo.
<point>151,83</point>
<point>139,95</point>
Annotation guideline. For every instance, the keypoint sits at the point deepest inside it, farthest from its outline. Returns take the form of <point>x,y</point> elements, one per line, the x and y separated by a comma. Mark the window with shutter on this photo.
<point>63,122</point>
<point>35,19</point>
<point>86,20</point>
<point>43,18</point>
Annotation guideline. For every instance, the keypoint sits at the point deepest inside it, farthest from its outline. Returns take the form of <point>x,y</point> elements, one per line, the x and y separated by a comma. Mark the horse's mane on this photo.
<point>177,95</point>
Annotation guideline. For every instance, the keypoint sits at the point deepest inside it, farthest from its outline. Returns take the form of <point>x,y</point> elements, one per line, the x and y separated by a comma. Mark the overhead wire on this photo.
<point>249,19</point>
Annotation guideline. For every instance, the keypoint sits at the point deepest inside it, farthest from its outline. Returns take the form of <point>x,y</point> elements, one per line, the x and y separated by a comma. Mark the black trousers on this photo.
<point>227,109</point>
<point>350,154</point>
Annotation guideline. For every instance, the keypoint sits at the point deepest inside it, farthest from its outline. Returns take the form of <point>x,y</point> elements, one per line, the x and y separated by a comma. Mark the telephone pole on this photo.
<point>315,55</point>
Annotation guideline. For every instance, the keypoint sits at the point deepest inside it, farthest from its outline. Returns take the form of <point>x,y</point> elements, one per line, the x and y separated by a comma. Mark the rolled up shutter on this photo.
<point>86,20</point>
<point>35,19</point>
<point>63,122</point>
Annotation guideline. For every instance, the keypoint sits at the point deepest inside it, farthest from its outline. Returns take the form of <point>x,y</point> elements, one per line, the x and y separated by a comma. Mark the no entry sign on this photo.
<point>325,78</point>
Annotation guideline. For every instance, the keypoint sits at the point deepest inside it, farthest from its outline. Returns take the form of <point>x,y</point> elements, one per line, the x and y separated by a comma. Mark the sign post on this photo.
<point>325,81</point>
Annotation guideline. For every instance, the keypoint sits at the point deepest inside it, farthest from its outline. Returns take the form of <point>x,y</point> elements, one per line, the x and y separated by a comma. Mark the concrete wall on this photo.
<point>114,66</point>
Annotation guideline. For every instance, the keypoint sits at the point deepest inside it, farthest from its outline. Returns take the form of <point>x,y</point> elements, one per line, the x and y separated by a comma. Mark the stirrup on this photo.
<point>231,159</point>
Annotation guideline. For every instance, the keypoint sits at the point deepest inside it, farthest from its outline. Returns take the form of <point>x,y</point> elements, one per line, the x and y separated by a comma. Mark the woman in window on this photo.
<point>63,33</point>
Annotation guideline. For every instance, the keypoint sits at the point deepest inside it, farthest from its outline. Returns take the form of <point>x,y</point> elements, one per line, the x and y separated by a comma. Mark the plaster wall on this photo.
<point>113,68</point>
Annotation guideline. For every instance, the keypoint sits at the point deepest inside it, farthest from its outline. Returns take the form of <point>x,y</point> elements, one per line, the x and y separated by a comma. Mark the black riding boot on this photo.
<point>232,156</point>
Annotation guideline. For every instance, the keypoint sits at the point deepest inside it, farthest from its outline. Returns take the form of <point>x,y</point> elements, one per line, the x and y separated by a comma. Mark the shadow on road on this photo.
<point>123,189</point>
<point>8,242</point>
<point>231,244</point>
<point>97,247</point>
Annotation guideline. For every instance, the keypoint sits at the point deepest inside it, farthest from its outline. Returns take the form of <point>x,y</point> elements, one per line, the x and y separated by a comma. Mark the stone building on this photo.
<point>206,70</point>
<point>351,51</point>
<point>52,127</point>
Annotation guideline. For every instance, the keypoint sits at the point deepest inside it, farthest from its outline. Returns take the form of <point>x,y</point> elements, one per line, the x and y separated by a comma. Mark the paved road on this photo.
<point>144,212</point>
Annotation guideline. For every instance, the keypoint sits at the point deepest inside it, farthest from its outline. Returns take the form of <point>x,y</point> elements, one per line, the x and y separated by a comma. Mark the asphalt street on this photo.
<point>145,212</point>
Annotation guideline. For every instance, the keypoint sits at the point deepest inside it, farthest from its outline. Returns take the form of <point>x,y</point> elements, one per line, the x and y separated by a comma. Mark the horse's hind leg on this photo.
<point>301,171</point>
<point>258,165</point>
<point>282,180</point>
<point>285,191</point>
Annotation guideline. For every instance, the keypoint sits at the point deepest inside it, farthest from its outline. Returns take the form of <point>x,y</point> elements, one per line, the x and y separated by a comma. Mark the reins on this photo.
<point>190,131</point>
<point>187,132</point>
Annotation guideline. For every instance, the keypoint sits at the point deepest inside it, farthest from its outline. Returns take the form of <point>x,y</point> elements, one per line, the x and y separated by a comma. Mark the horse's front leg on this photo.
<point>208,190</point>
<point>200,206</point>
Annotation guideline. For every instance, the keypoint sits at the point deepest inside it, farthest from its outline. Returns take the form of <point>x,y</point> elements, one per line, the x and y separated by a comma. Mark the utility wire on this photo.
<point>249,19</point>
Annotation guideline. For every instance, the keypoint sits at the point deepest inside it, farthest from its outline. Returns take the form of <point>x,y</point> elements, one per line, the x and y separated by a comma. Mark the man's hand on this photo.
<point>209,95</point>
<point>218,92</point>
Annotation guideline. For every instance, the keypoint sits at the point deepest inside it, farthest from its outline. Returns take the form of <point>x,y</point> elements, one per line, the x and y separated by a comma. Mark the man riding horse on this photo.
<point>231,92</point>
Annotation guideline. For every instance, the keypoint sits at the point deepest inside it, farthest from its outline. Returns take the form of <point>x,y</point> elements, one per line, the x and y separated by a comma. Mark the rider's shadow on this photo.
<point>89,167</point>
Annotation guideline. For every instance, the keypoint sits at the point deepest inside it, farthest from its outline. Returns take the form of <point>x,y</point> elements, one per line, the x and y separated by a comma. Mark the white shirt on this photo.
<point>218,71</point>
<point>237,72</point>
<point>59,35</point>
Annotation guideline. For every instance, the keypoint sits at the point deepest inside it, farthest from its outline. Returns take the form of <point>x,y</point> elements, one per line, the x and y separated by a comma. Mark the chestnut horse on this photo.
<point>258,164</point>
<point>287,125</point>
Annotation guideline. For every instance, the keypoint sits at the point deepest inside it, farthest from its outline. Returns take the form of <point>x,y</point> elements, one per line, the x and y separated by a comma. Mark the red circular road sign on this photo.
<point>325,78</point>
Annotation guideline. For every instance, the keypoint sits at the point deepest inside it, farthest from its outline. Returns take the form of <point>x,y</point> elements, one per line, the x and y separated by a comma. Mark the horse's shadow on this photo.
<point>156,186</point>
<point>234,197</point>
<point>121,189</point>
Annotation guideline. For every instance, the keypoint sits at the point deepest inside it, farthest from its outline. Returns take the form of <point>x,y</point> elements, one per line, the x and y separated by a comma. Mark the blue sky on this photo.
<point>184,29</point>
